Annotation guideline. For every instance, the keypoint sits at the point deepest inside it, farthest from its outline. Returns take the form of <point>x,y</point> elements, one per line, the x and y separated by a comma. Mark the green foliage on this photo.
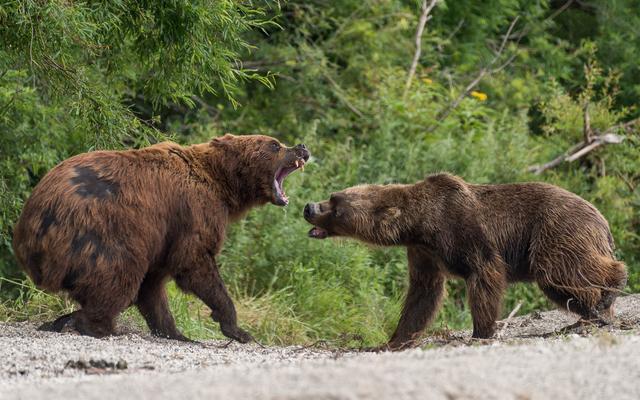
<point>71,71</point>
<point>77,77</point>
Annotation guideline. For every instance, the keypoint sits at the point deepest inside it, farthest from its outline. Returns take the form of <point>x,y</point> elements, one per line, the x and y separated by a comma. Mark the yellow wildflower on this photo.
<point>479,95</point>
<point>427,81</point>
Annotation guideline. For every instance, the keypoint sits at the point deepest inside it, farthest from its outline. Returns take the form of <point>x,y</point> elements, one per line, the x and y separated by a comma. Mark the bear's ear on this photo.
<point>222,140</point>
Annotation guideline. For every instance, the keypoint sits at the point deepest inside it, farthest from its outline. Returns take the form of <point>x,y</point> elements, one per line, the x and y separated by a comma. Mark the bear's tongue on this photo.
<point>318,233</point>
<point>279,179</point>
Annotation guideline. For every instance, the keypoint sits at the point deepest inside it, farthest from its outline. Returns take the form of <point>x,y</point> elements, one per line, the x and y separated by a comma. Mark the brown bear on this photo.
<point>489,235</point>
<point>111,227</point>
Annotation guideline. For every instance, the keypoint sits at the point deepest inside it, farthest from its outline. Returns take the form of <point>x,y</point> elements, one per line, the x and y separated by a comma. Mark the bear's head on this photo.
<point>370,213</point>
<point>258,165</point>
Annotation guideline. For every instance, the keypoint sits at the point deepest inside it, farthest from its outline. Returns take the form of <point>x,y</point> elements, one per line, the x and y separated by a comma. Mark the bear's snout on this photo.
<point>310,210</point>
<point>302,152</point>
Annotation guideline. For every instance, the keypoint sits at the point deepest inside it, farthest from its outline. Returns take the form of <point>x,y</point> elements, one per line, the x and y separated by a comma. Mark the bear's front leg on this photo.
<point>426,287</point>
<point>205,282</point>
<point>485,288</point>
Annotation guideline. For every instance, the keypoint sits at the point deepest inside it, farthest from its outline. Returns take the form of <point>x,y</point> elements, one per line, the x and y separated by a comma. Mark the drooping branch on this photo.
<point>427,6</point>
<point>591,141</point>
<point>524,32</point>
<point>484,71</point>
<point>339,92</point>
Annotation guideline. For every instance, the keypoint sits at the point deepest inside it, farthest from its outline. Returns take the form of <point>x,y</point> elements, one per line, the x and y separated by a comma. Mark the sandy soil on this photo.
<point>528,360</point>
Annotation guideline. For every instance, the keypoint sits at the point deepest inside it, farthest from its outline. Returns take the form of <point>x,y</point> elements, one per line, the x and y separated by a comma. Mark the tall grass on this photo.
<point>290,289</point>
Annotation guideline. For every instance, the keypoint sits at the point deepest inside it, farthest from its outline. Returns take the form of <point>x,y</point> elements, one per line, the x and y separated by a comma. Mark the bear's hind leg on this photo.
<point>154,307</point>
<point>616,281</point>
<point>101,304</point>
<point>569,302</point>
<point>589,315</point>
<point>589,288</point>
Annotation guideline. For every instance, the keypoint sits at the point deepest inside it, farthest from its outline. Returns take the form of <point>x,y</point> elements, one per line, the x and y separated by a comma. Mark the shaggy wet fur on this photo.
<point>111,227</point>
<point>489,235</point>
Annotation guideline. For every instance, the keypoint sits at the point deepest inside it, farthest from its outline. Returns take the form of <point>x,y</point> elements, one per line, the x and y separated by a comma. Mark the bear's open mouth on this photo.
<point>278,180</point>
<point>318,233</point>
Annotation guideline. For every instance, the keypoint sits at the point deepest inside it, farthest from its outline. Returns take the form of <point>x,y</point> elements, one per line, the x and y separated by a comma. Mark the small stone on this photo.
<point>98,363</point>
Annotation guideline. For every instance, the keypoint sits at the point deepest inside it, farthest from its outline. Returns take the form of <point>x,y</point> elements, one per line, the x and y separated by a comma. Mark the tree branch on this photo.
<point>338,93</point>
<point>588,144</point>
<point>487,69</point>
<point>524,32</point>
<point>427,6</point>
<point>586,126</point>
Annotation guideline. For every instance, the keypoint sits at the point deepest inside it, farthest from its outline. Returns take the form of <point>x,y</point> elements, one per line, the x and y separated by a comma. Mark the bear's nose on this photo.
<point>309,210</point>
<point>302,152</point>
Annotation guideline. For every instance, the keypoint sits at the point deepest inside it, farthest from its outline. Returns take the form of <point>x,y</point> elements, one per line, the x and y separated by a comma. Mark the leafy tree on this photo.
<point>71,74</point>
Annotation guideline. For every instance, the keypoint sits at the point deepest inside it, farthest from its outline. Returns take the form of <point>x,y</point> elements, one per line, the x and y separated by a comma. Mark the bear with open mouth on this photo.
<point>111,227</point>
<point>489,235</point>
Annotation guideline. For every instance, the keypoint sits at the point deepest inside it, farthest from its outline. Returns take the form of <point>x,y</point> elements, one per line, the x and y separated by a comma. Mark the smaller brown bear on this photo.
<point>489,235</point>
<point>111,227</point>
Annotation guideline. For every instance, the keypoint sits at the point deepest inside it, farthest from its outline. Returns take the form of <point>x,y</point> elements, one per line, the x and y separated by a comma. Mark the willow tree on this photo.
<point>70,73</point>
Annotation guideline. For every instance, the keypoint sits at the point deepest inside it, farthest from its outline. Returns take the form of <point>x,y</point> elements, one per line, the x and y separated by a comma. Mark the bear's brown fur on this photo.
<point>489,235</point>
<point>111,227</point>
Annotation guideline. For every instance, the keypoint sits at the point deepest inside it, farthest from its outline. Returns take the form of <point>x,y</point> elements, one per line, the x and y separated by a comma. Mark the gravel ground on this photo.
<point>527,361</point>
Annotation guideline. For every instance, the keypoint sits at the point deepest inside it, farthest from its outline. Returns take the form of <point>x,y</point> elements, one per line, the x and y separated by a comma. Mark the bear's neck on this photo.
<point>232,182</point>
<point>422,210</point>
<point>406,216</point>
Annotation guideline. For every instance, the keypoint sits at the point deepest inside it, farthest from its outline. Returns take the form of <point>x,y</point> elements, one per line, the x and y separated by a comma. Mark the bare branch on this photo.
<point>587,145</point>
<point>339,94</point>
<point>527,29</point>
<point>538,169</point>
<point>505,39</point>
<point>609,138</point>
<point>506,63</point>
<point>586,149</point>
<point>455,30</point>
<point>586,127</point>
<point>506,321</point>
<point>427,6</point>
<point>487,69</point>
<point>626,126</point>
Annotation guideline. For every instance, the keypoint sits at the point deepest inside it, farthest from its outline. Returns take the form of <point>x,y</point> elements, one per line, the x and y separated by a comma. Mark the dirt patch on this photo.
<point>548,324</point>
<point>27,354</point>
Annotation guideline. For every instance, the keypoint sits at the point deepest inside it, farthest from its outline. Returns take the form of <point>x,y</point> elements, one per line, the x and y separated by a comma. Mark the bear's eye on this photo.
<point>275,146</point>
<point>337,212</point>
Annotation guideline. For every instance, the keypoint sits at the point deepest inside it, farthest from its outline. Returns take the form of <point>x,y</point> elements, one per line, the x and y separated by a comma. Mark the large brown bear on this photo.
<point>111,227</point>
<point>489,235</point>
